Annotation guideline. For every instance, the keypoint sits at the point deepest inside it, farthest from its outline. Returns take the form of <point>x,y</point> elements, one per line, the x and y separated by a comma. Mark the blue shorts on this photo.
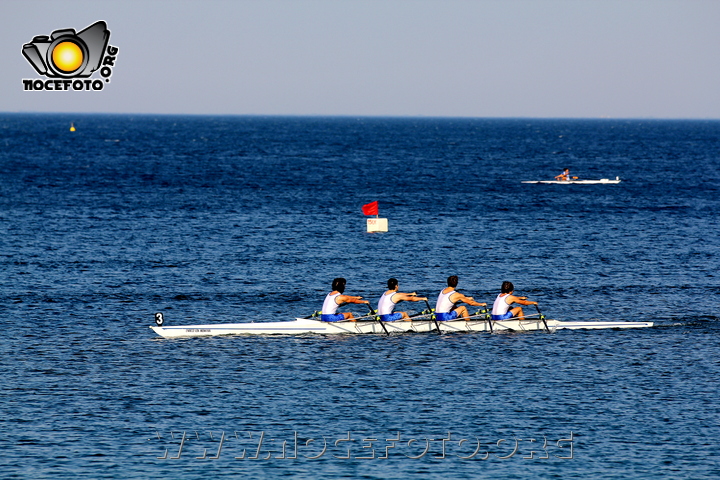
<point>333,317</point>
<point>444,317</point>
<point>507,316</point>
<point>391,317</point>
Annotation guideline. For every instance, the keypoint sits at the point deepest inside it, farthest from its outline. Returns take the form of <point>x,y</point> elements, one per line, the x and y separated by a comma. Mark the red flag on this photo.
<point>370,208</point>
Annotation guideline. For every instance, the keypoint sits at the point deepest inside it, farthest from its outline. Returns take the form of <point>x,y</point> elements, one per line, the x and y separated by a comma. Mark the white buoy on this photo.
<point>377,225</point>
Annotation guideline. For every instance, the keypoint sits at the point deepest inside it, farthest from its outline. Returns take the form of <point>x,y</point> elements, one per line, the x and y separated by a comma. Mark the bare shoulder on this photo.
<point>458,296</point>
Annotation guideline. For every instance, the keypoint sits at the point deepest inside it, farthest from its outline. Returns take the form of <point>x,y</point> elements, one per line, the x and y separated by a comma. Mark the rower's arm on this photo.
<point>522,300</point>
<point>351,299</point>
<point>468,300</point>
<point>409,297</point>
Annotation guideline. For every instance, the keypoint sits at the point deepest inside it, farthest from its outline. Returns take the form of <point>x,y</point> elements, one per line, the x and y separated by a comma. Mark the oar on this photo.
<point>314,314</point>
<point>488,317</point>
<point>485,315</point>
<point>433,317</point>
<point>542,317</point>
<point>382,324</point>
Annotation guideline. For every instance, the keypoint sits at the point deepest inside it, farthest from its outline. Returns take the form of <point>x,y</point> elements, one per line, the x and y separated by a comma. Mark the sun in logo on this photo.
<point>67,56</point>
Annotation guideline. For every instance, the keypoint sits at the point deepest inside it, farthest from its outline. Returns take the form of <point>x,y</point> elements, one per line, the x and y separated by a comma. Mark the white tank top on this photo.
<point>330,306</point>
<point>386,304</point>
<point>500,307</point>
<point>444,305</point>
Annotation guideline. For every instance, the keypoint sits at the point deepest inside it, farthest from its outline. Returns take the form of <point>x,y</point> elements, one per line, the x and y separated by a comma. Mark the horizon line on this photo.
<point>295,115</point>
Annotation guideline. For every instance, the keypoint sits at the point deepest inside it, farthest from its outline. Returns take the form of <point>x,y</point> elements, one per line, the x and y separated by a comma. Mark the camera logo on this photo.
<point>70,56</point>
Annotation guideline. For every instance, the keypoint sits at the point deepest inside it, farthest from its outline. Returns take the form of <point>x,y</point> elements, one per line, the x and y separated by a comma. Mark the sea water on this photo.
<point>248,219</point>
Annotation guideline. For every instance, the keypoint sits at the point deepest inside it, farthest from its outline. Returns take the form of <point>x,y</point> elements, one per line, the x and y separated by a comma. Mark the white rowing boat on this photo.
<point>301,326</point>
<point>602,181</point>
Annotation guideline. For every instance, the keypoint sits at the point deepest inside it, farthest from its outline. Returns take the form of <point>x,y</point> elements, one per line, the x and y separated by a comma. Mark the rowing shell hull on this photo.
<point>602,181</point>
<point>301,326</point>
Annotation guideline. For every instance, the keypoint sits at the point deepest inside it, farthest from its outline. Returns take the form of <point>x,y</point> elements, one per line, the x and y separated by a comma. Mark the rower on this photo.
<point>392,297</point>
<point>336,299</point>
<point>565,176</point>
<point>446,307</point>
<point>501,308</point>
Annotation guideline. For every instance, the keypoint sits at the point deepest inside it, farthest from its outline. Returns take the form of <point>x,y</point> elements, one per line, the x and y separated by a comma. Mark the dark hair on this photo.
<point>392,283</point>
<point>339,284</point>
<point>452,281</point>
<point>507,287</point>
